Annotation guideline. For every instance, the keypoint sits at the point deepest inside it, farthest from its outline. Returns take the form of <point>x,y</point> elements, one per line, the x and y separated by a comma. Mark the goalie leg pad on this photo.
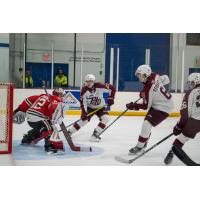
<point>53,146</point>
<point>30,136</point>
<point>43,135</point>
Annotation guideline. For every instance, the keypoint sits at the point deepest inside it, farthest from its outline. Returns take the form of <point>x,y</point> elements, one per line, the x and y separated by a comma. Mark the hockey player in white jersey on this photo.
<point>90,100</point>
<point>156,99</point>
<point>189,124</point>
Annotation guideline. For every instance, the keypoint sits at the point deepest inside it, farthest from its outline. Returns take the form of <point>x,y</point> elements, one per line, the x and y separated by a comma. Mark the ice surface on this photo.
<point>116,140</point>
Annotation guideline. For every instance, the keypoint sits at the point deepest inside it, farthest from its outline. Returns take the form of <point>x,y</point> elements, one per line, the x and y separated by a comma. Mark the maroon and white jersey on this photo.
<point>190,106</point>
<point>93,97</point>
<point>155,95</point>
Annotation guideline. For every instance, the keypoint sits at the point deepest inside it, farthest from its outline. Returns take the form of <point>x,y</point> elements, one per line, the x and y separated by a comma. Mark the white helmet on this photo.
<point>89,77</point>
<point>194,79</point>
<point>144,70</point>
<point>58,92</point>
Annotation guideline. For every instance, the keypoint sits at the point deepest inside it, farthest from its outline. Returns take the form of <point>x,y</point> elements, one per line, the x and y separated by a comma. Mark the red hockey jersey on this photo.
<point>43,108</point>
<point>27,103</point>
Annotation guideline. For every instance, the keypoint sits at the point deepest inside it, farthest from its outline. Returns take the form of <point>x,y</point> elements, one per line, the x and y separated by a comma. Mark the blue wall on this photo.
<point>42,71</point>
<point>132,53</point>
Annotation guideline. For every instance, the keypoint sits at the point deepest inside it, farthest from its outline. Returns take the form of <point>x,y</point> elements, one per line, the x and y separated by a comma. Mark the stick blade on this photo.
<point>87,149</point>
<point>184,157</point>
<point>83,149</point>
<point>122,159</point>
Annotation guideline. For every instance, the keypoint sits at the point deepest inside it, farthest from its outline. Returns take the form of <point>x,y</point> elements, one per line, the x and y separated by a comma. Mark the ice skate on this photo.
<point>95,137</point>
<point>136,150</point>
<point>168,159</point>
<point>54,147</point>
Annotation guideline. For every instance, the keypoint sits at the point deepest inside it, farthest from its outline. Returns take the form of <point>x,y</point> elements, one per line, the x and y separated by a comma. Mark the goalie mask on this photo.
<point>143,72</point>
<point>193,80</point>
<point>58,92</point>
<point>89,80</point>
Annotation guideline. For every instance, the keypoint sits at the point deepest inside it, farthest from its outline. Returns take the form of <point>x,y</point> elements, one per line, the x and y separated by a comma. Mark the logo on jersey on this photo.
<point>71,100</point>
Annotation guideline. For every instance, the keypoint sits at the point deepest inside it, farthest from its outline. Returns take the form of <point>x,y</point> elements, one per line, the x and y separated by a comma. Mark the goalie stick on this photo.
<point>129,161</point>
<point>183,156</point>
<point>67,136</point>
<point>70,142</point>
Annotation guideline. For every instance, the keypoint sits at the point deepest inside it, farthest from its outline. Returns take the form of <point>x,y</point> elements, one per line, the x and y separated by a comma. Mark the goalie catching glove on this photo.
<point>19,117</point>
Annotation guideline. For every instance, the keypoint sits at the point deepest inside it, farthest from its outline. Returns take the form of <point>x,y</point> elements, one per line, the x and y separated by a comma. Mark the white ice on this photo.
<point>116,141</point>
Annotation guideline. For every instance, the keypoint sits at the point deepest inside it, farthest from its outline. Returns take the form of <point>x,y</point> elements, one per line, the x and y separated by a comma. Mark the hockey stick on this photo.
<point>93,112</point>
<point>66,134</point>
<point>116,118</point>
<point>69,140</point>
<point>129,161</point>
<point>183,156</point>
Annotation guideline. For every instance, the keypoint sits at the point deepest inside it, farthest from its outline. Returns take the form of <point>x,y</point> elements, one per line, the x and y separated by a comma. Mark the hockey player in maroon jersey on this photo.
<point>20,112</point>
<point>156,99</point>
<point>46,111</point>
<point>189,124</point>
<point>91,99</point>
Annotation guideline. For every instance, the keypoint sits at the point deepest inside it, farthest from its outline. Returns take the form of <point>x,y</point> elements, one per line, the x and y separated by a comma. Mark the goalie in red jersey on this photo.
<point>45,112</point>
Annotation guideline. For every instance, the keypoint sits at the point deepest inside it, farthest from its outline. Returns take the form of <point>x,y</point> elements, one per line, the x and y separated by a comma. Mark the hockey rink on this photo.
<point>116,141</point>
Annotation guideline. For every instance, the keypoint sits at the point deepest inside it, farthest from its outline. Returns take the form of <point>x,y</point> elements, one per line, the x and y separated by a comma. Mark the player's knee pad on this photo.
<point>146,129</point>
<point>105,119</point>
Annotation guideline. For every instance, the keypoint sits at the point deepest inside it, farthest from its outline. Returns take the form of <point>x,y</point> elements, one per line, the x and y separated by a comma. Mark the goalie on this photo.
<point>42,117</point>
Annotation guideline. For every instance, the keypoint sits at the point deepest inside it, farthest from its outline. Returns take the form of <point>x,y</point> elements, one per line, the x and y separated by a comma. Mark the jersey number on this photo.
<point>198,101</point>
<point>165,93</point>
<point>39,104</point>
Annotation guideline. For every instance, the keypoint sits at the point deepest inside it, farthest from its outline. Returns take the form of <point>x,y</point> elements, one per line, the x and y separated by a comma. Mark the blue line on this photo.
<point>4,45</point>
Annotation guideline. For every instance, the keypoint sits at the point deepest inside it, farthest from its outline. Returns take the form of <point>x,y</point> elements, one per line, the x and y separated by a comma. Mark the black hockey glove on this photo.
<point>110,101</point>
<point>132,106</point>
<point>177,129</point>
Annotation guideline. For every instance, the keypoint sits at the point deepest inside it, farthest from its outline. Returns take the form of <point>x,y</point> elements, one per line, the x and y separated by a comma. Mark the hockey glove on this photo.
<point>110,101</point>
<point>132,106</point>
<point>177,129</point>
<point>19,117</point>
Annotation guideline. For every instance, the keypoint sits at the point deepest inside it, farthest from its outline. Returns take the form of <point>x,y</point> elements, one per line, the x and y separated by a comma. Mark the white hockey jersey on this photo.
<point>190,106</point>
<point>93,98</point>
<point>155,95</point>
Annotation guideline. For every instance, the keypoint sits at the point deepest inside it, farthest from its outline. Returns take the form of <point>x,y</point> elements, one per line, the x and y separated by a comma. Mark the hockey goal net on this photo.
<point>6,115</point>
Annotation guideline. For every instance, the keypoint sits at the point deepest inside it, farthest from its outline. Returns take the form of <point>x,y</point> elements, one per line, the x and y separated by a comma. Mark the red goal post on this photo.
<point>6,117</point>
